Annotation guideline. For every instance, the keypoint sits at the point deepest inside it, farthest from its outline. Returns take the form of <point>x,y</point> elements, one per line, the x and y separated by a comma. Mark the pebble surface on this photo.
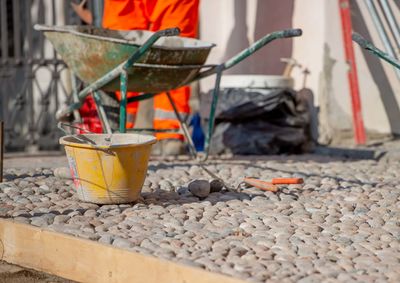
<point>341,225</point>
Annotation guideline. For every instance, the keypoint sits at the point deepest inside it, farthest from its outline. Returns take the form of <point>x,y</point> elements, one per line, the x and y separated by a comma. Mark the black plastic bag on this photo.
<point>259,121</point>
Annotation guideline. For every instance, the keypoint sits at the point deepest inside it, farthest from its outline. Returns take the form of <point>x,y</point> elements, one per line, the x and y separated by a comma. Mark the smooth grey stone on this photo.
<point>199,188</point>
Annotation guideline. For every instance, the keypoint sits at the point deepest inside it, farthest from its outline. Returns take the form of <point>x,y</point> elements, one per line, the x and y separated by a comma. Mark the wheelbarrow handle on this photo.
<point>261,43</point>
<point>374,50</point>
<point>292,33</point>
<point>361,40</point>
<point>250,50</point>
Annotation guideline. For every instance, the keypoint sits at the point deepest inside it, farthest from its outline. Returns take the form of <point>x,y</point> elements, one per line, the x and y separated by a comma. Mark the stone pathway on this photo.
<point>343,225</point>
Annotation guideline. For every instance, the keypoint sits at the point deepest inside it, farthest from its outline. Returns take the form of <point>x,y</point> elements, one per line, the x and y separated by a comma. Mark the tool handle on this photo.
<point>262,185</point>
<point>287,181</point>
<point>61,124</point>
<point>360,40</point>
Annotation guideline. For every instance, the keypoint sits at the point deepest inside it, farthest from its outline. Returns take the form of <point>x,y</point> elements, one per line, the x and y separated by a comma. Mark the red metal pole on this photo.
<point>358,123</point>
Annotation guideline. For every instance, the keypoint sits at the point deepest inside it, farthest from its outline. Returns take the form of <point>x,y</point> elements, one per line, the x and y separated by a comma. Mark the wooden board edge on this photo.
<point>88,261</point>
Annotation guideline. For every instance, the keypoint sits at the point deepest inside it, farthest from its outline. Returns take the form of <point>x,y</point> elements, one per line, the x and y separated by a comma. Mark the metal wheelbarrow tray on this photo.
<point>144,62</point>
<point>92,52</point>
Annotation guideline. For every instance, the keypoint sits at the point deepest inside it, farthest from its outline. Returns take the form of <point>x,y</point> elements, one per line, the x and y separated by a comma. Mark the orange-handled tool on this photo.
<point>287,181</point>
<point>262,185</point>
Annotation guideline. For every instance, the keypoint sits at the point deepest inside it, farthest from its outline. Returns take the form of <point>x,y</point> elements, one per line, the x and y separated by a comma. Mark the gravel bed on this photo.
<point>342,225</point>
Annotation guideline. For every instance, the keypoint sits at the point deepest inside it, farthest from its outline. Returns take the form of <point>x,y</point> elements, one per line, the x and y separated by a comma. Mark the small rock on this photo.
<point>106,239</point>
<point>199,188</point>
<point>122,243</point>
<point>45,188</point>
<point>182,191</point>
<point>166,185</point>
<point>60,219</point>
<point>62,173</point>
<point>216,185</point>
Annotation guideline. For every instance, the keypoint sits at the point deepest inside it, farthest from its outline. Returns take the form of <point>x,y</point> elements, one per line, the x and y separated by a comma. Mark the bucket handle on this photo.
<point>86,140</point>
<point>61,124</point>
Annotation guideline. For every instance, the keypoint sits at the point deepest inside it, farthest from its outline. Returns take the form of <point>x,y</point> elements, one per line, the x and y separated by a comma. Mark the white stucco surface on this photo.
<point>321,42</point>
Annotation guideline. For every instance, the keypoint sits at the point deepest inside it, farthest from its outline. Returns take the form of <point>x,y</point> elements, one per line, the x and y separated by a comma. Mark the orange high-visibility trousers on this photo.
<point>156,15</point>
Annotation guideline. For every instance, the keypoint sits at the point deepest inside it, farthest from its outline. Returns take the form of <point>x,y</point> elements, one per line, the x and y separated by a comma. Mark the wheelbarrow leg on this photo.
<point>101,112</point>
<point>214,103</point>
<point>123,103</point>
<point>184,127</point>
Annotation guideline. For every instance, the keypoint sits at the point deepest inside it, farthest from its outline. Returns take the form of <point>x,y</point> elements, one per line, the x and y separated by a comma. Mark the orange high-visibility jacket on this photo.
<point>156,15</point>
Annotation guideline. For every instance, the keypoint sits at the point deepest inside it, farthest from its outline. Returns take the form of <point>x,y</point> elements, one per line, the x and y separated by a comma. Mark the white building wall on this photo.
<point>320,49</point>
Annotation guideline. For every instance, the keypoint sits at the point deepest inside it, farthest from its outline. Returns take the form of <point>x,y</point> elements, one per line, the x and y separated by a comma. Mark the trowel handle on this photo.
<point>287,181</point>
<point>262,185</point>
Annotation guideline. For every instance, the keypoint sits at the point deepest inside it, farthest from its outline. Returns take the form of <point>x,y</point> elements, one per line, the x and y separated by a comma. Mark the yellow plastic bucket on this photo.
<point>108,169</point>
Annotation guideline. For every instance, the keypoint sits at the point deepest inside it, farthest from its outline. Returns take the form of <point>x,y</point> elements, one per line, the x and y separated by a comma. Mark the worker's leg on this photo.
<point>164,115</point>
<point>167,14</point>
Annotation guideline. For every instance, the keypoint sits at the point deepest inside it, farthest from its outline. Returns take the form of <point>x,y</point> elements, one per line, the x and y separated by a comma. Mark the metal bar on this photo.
<point>66,12</point>
<point>17,30</point>
<point>55,73</point>
<point>102,113</point>
<point>34,61</point>
<point>97,12</point>
<point>123,102</point>
<point>374,50</point>
<point>390,18</point>
<point>192,147</point>
<point>1,150</point>
<point>153,130</point>
<point>28,56</point>
<point>359,130</point>
<point>252,49</point>
<point>4,30</point>
<point>381,31</point>
<point>214,104</point>
<point>41,43</point>
<point>54,21</point>
<point>140,97</point>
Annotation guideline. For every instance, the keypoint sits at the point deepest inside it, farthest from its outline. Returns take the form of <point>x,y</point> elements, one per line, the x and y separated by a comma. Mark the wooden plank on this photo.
<point>88,261</point>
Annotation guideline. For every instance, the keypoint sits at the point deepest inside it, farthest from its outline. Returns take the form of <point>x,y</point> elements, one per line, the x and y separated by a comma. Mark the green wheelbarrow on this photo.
<point>143,62</point>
